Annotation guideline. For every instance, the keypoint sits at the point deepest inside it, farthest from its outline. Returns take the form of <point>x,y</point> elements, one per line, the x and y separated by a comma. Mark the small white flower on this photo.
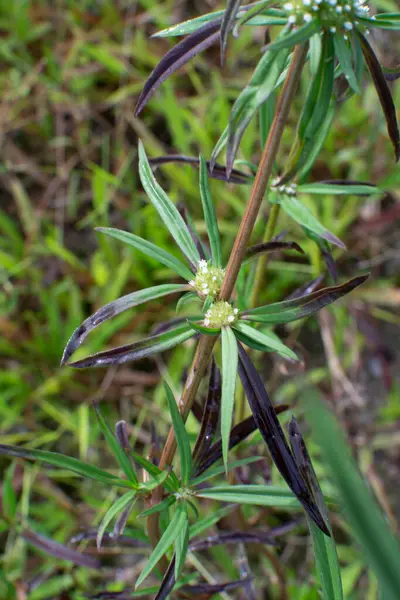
<point>206,322</point>
<point>339,10</point>
<point>191,282</point>
<point>292,19</point>
<point>307,17</point>
<point>236,310</point>
<point>333,29</point>
<point>231,318</point>
<point>347,25</point>
<point>288,6</point>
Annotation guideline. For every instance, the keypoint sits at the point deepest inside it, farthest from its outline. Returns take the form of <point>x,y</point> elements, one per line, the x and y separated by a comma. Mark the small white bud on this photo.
<point>292,19</point>
<point>231,318</point>
<point>347,25</point>
<point>307,17</point>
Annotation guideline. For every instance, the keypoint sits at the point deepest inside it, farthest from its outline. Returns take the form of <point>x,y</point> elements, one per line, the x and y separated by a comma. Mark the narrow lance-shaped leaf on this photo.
<point>209,421</point>
<point>137,350</point>
<point>217,172</point>
<point>300,213</point>
<point>202,249</point>
<point>114,308</point>
<point>272,433</point>
<point>65,462</point>
<point>297,308</point>
<point>193,44</point>
<point>113,444</point>
<point>263,247</point>
<point>297,36</point>
<point>344,54</point>
<point>167,540</point>
<point>168,582</point>
<point>232,8</point>
<point>59,550</point>
<point>269,73</point>
<point>365,518</point>
<point>238,434</point>
<point>232,537</point>
<point>383,91</point>
<point>229,371</point>
<point>181,436</point>
<point>339,187</point>
<point>263,339</point>
<point>214,472</point>
<point>171,483</point>
<point>182,540</point>
<point>209,215</point>
<point>209,589</point>
<point>163,257</point>
<point>167,211</point>
<point>256,495</point>
<point>324,547</point>
<point>114,510</point>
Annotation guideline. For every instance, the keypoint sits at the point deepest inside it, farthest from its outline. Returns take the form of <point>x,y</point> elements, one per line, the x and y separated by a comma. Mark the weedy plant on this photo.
<point>219,309</point>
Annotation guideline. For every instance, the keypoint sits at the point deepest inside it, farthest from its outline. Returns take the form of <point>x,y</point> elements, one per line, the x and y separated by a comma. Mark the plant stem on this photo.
<point>206,343</point>
<point>259,279</point>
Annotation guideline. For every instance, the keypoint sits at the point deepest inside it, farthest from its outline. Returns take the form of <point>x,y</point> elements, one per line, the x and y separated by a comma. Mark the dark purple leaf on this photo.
<point>305,466</point>
<point>208,588</point>
<point>329,261</point>
<point>271,247</point>
<point>391,74</point>
<point>232,8</point>
<point>238,433</point>
<point>209,421</point>
<point>124,540</point>
<point>272,433</point>
<point>121,433</point>
<point>112,309</point>
<point>218,171</point>
<point>167,325</point>
<point>168,581</point>
<point>59,550</point>
<point>179,55</point>
<point>384,93</point>
<point>306,288</point>
<point>137,350</point>
<point>297,308</point>
<point>122,520</point>
<point>232,537</point>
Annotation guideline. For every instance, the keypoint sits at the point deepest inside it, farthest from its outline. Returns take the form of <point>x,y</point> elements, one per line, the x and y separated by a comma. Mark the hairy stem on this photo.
<point>206,343</point>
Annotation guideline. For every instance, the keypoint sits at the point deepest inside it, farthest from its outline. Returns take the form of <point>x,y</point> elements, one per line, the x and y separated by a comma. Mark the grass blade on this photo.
<point>229,372</point>
<point>209,215</point>
<point>182,439</point>
<point>163,257</point>
<point>365,518</point>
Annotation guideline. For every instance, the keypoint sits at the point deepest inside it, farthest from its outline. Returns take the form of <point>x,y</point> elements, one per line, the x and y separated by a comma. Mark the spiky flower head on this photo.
<point>334,15</point>
<point>288,189</point>
<point>208,279</point>
<point>220,314</point>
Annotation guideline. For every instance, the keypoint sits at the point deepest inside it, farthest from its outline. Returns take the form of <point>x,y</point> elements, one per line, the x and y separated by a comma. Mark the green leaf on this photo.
<point>297,308</point>
<point>204,524</point>
<point>230,14</point>
<point>182,438</point>
<point>163,257</point>
<point>213,472</point>
<point>203,329</point>
<point>345,56</point>
<point>182,540</point>
<point>9,496</point>
<point>116,508</point>
<point>382,22</point>
<point>120,454</point>
<point>327,563</point>
<point>189,26</point>
<point>168,538</point>
<point>171,483</point>
<point>229,372</point>
<point>158,507</point>
<point>258,495</point>
<point>264,339</point>
<point>186,299</point>
<point>167,211</point>
<point>209,215</point>
<point>365,518</point>
<point>298,36</point>
<point>300,213</point>
<point>65,462</point>
<point>338,189</point>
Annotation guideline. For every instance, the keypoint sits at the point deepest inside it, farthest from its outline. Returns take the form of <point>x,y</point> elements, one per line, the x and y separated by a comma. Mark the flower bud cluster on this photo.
<point>334,15</point>
<point>289,189</point>
<point>220,314</point>
<point>208,279</point>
